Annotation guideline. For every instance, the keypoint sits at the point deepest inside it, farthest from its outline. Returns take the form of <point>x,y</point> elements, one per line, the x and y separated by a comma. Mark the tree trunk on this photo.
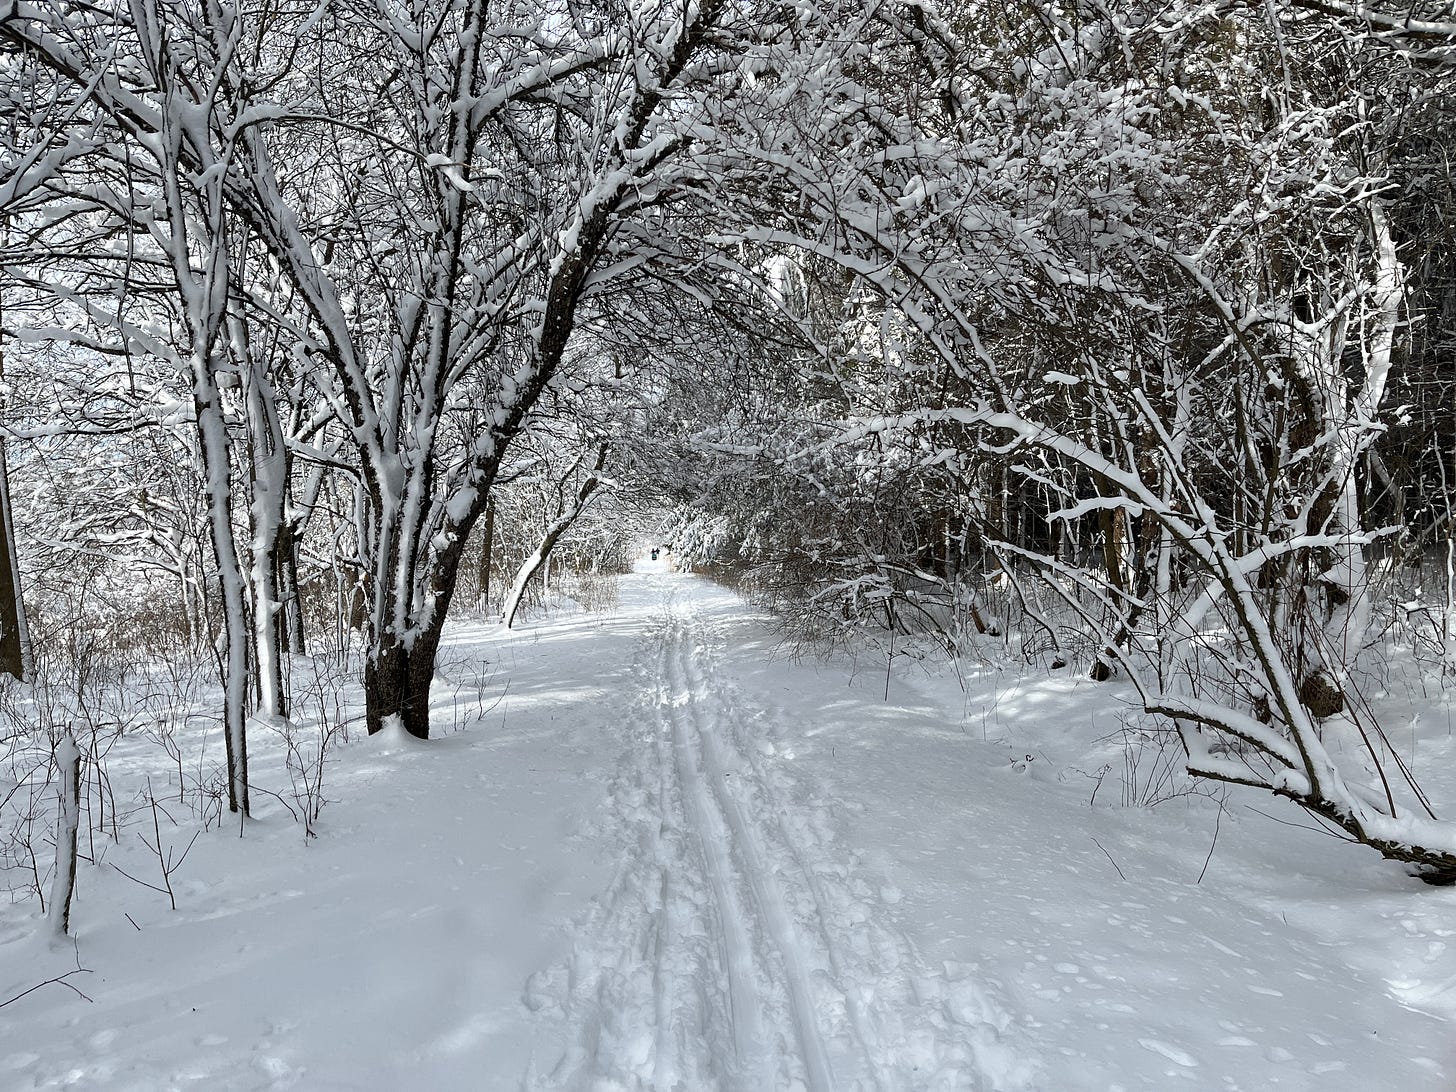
<point>540,558</point>
<point>487,555</point>
<point>15,654</point>
<point>398,671</point>
<point>290,619</point>
<point>1346,583</point>
<point>68,764</point>
<point>213,438</point>
<point>1113,526</point>
<point>268,461</point>
<point>397,683</point>
<point>394,689</point>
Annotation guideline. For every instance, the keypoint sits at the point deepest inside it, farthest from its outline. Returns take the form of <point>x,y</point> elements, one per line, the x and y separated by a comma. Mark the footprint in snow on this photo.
<point>1172,1053</point>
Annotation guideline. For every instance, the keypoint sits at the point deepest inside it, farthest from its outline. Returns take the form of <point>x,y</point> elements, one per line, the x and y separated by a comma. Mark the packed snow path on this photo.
<point>730,953</point>
<point>816,888</point>
<point>648,851</point>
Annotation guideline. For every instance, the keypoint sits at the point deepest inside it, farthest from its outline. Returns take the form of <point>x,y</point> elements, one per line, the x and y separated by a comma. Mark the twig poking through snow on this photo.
<point>1100,846</point>
<point>1218,819</point>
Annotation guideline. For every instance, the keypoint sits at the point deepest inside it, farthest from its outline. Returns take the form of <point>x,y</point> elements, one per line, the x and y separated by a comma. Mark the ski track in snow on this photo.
<point>716,871</point>
<point>729,952</point>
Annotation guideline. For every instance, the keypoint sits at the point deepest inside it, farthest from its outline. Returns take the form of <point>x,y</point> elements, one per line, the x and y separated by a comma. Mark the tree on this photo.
<point>433,259</point>
<point>1098,239</point>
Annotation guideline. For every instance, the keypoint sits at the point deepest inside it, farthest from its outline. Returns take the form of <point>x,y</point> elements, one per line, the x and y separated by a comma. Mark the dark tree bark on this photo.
<point>290,619</point>
<point>14,637</point>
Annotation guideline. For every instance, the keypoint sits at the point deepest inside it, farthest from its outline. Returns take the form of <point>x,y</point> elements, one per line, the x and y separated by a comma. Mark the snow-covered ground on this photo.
<point>674,857</point>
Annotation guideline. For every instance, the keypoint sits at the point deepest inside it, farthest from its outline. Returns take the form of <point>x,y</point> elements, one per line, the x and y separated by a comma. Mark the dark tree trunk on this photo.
<point>1112,523</point>
<point>356,613</point>
<point>397,684</point>
<point>290,615</point>
<point>14,641</point>
<point>397,678</point>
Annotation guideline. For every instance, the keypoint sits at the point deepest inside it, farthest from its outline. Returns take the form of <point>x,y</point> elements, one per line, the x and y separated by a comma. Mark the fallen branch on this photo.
<point>59,980</point>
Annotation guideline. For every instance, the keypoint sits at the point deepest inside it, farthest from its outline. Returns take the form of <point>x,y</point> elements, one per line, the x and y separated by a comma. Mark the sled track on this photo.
<point>729,952</point>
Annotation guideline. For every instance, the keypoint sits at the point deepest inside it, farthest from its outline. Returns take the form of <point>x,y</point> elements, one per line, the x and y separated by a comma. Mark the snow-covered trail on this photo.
<point>730,952</point>
<point>817,888</point>
<point>649,852</point>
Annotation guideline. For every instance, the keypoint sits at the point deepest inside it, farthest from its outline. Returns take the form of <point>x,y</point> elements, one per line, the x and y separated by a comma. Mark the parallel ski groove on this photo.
<point>713,830</point>
<point>862,1020</point>
<point>767,899</point>
<point>730,952</point>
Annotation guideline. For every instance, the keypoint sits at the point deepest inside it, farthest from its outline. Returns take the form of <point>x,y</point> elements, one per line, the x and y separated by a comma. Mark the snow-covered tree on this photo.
<point>426,201</point>
<point>1164,297</point>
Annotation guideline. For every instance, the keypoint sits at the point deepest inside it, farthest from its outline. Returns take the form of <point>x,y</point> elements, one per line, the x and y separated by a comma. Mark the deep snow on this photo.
<point>675,857</point>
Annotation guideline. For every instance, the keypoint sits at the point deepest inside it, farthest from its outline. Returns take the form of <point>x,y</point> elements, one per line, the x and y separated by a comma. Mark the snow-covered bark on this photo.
<point>68,822</point>
<point>191,231</point>
<point>267,457</point>
<point>569,511</point>
<point>1359,415</point>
